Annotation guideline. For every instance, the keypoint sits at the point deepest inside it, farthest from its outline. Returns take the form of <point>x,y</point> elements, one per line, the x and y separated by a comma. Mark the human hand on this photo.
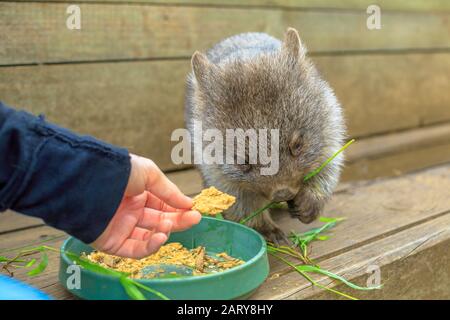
<point>151,208</point>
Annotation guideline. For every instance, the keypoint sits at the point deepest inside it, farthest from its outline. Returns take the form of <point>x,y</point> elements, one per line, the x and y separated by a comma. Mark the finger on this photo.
<point>159,185</point>
<point>138,249</point>
<point>152,218</point>
<point>183,220</point>
<point>141,234</point>
<point>165,227</point>
<point>156,203</point>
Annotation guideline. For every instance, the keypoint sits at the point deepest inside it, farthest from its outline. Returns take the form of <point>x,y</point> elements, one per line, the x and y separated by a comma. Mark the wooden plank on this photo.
<point>398,153</point>
<point>135,105</point>
<point>31,237</point>
<point>397,164</point>
<point>10,221</point>
<point>124,32</point>
<point>423,275</point>
<point>138,104</point>
<point>410,140</point>
<point>393,255</point>
<point>382,93</point>
<point>375,211</point>
<point>410,5</point>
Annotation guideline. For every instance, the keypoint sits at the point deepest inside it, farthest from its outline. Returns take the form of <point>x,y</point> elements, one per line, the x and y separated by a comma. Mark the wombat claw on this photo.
<point>277,237</point>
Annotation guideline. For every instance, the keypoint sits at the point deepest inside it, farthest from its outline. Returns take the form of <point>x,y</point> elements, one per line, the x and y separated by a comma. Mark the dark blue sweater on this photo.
<point>74,183</point>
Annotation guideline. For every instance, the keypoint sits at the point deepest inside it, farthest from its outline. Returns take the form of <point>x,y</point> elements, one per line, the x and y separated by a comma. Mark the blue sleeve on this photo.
<point>74,183</point>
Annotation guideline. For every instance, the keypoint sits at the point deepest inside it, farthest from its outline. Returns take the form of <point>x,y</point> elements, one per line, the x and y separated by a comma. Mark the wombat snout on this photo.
<point>283,195</point>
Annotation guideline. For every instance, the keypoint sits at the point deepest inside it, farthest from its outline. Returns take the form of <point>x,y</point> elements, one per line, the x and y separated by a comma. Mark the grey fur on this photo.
<point>253,80</point>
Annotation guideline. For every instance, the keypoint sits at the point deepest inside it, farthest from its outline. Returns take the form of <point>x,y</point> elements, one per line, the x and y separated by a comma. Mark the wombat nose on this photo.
<point>282,195</point>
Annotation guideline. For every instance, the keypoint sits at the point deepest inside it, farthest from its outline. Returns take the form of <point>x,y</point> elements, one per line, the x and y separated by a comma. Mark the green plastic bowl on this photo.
<point>216,235</point>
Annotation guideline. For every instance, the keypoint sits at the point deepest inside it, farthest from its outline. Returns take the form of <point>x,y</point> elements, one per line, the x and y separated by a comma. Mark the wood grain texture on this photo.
<point>376,209</point>
<point>389,255</point>
<point>397,164</point>
<point>10,221</point>
<point>37,32</point>
<point>387,220</point>
<point>134,105</point>
<point>138,104</point>
<point>410,5</point>
<point>398,153</point>
<point>382,93</point>
<point>422,275</point>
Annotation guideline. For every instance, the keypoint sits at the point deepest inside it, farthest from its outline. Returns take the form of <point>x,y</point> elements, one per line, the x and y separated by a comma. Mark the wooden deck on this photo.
<point>400,224</point>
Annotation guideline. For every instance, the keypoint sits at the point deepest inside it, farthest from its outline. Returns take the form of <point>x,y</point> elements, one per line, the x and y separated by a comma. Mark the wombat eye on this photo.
<point>295,148</point>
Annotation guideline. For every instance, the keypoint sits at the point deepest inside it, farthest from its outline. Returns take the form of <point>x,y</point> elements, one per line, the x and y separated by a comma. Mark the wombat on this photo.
<point>253,80</point>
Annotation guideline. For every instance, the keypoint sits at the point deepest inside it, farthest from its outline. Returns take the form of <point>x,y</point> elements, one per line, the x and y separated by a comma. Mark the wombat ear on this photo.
<point>292,44</point>
<point>201,66</point>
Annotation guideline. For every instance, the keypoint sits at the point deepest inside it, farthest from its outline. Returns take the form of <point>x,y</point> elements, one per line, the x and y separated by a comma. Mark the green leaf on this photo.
<point>41,266</point>
<point>30,263</point>
<point>5,259</point>
<point>156,293</point>
<point>303,239</point>
<point>328,219</point>
<point>219,216</point>
<point>303,273</point>
<point>308,268</point>
<point>130,288</point>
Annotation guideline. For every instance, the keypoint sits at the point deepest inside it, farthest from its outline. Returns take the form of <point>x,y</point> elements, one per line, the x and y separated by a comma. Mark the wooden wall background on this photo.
<point>121,77</point>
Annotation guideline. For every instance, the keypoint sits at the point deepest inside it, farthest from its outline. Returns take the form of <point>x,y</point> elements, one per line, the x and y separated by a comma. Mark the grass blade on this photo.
<point>30,263</point>
<point>41,266</point>
<point>156,293</point>
<point>308,268</point>
<point>257,212</point>
<point>323,165</point>
<point>131,290</point>
<point>303,273</point>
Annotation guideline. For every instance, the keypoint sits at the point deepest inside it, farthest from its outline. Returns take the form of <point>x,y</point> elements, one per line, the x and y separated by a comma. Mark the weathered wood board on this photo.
<point>138,104</point>
<point>37,32</point>
<point>393,223</point>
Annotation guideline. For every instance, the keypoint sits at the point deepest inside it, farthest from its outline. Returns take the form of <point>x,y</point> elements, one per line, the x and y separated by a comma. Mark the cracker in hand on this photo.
<point>212,201</point>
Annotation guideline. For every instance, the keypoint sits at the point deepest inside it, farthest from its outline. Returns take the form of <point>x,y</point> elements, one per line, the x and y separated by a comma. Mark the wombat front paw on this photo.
<point>275,236</point>
<point>304,209</point>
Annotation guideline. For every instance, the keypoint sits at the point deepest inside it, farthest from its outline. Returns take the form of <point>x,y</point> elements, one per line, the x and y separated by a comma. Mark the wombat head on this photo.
<point>280,89</point>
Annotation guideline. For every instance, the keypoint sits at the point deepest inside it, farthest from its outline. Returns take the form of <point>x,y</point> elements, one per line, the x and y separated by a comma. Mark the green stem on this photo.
<point>310,279</point>
<point>143,287</point>
<point>257,212</point>
<point>316,171</point>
